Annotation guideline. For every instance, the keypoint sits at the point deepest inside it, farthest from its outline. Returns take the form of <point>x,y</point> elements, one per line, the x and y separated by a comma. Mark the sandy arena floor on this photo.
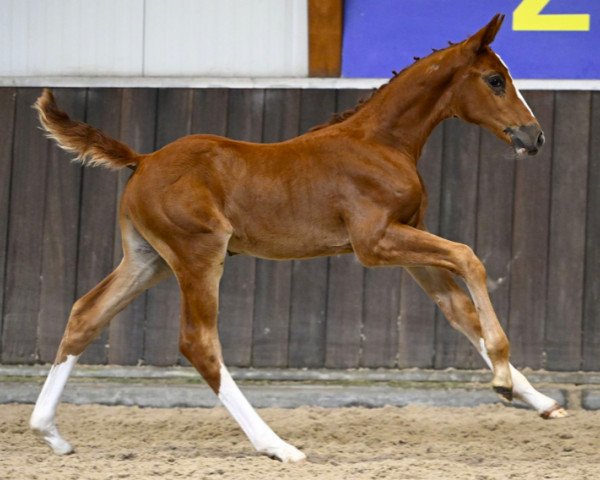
<point>488,442</point>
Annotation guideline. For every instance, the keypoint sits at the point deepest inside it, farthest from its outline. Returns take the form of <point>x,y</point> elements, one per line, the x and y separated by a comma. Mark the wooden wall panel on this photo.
<point>458,213</point>
<point>529,267</point>
<point>567,231</point>
<point>494,219</point>
<point>236,306</point>
<point>345,289</point>
<point>591,306</point>
<point>8,98</point>
<point>533,220</point>
<point>344,312</point>
<point>25,239</point>
<point>98,210</point>
<point>174,120</point>
<point>209,111</point>
<point>60,235</point>
<point>209,116</point>
<point>381,315</point>
<point>138,126</point>
<point>309,277</point>
<point>273,289</point>
<point>417,321</point>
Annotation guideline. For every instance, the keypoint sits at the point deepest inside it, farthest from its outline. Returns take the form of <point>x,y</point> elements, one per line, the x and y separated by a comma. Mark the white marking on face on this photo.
<point>257,431</point>
<point>519,95</point>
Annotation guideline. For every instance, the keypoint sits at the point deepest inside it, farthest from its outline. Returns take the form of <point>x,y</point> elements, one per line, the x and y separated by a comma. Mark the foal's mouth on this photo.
<point>526,139</point>
<point>520,149</point>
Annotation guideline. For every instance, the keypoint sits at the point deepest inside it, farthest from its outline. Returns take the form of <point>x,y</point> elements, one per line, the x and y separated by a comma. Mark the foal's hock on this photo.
<point>350,186</point>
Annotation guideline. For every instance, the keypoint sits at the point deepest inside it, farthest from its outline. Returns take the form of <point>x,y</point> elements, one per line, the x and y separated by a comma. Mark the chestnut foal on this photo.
<point>349,186</point>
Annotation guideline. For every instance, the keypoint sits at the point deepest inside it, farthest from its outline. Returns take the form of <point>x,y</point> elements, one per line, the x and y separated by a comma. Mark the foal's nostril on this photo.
<point>540,140</point>
<point>526,138</point>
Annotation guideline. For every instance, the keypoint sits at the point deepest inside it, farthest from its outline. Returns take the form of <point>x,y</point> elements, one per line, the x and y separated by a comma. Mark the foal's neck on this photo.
<point>404,113</point>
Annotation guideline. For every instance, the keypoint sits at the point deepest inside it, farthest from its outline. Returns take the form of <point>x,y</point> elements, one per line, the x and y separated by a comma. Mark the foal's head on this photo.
<point>484,94</point>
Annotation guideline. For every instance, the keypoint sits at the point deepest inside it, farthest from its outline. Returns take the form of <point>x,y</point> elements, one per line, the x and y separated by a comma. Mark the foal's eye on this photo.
<point>496,82</point>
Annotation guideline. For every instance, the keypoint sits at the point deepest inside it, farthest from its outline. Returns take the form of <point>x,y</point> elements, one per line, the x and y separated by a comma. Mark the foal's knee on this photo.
<point>468,264</point>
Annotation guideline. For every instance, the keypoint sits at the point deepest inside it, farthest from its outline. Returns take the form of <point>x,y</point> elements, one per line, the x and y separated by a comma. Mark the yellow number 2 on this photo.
<point>527,16</point>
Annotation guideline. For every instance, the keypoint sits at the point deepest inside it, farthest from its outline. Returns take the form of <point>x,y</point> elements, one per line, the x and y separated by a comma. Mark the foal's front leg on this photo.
<point>402,245</point>
<point>460,312</point>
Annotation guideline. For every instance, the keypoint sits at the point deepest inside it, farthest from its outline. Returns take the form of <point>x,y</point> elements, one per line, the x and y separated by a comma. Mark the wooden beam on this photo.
<point>325,37</point>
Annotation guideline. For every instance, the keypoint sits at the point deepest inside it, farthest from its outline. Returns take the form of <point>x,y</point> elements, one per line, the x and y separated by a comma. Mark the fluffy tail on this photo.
<point>91,146</point>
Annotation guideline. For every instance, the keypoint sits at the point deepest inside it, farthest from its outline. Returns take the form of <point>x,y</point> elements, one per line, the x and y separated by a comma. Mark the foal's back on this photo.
<point>283,200</point>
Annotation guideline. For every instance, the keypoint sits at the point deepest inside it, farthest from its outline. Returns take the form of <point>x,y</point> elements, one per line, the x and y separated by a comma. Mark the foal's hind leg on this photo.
<point>198,278</point>
<point>462,315</point>
<point>141,268</point>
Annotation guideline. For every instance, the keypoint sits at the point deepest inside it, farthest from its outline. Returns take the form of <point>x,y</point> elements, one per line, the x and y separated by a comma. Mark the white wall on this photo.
<point>153,38</point>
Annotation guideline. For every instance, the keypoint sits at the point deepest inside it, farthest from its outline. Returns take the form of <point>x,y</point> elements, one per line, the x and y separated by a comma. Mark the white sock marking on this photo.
<point>522,389</point>
<point>257,431</point>
<point>42,418</point>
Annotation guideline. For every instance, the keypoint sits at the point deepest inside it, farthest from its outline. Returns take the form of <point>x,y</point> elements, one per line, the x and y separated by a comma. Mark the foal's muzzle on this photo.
<point>526,138</point>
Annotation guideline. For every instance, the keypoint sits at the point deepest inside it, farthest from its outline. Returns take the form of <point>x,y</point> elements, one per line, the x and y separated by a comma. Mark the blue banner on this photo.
<point>540,39</point>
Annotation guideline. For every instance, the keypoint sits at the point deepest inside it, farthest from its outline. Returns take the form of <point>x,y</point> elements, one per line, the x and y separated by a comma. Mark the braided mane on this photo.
<point>340,117</point>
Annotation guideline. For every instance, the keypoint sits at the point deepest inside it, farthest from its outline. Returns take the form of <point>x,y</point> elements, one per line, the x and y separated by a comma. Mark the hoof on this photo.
<point>53,439</point>
<point>504,392</point>
<point>61,447</point>
<point>285,453</point>
<point>555,412</point>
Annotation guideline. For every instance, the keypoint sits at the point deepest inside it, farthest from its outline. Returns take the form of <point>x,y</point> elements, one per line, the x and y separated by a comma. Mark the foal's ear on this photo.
<point>486,35</point>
